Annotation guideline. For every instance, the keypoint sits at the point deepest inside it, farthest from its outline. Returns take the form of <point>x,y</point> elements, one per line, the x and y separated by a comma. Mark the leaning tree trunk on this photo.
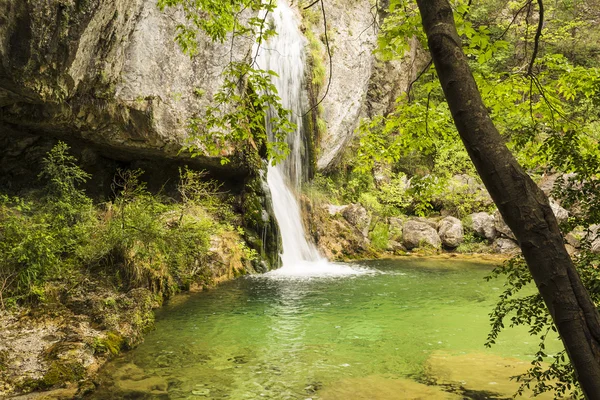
<point>522,204</point>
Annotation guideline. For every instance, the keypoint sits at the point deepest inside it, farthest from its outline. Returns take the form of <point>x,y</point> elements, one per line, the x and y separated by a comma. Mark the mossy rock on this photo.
<point>112,344</point>
<point>61,372</point>
<point>4,357</point>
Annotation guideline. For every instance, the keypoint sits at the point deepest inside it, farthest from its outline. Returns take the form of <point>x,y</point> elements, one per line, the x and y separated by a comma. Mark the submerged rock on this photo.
<point>377,387</point>
<point>418,234</point>
<point>478,372</point>
<point>154,386</point>
<point>451,232</point>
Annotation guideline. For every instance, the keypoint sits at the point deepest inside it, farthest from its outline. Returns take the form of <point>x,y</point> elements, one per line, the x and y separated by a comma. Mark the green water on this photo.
<point>258,337</point>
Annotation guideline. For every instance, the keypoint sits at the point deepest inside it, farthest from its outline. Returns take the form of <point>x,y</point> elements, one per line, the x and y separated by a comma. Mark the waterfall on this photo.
<point>284,54</point>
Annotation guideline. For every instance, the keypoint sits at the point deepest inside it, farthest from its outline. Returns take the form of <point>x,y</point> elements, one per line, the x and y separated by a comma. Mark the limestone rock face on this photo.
<point>107,72</point>
<point>361,85</point>
<point>483,224</point>
<point>451,232</point>
<point>417,233</point>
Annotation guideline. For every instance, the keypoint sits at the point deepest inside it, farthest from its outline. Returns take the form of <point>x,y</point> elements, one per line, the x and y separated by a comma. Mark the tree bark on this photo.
<point>522,204</point>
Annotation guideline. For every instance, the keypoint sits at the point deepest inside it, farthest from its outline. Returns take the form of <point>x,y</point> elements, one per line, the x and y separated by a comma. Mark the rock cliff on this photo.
<point>105,72</point>
<point>107,76</point>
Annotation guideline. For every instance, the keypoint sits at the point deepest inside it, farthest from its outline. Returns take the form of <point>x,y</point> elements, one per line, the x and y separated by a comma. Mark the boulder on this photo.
<point>451,232</point>
<point>396,224</point>
<point>418,233</point>
<point>593,236</point>
<point>501,228</point>
<point>394,246</point>
<point>359,217</point>
<point>574,237</point>
<point>427,221</point>
<point>506,246</point>
<point>333,209</point>
<point>560,213</point>
<point>482,224</point>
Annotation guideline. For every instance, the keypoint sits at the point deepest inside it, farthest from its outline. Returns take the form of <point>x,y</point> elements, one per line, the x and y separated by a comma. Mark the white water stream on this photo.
<point>284,54</point>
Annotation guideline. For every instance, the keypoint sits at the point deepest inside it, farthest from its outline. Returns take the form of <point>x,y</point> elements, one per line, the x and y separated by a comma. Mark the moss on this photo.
<point>112,343</point>
<point>61,372</point>
<point>4,360</point>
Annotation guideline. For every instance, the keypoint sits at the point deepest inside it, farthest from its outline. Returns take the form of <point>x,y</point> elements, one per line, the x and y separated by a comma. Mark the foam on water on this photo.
<point>318,269</point>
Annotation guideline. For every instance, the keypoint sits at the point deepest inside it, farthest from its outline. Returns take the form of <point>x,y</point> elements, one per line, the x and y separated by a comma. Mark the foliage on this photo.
<point>472,244</point>
<point>380,236</point>
<point>528,309</point>
<point>236,114</point>
<point>544,104</point>
<point>137,240</point>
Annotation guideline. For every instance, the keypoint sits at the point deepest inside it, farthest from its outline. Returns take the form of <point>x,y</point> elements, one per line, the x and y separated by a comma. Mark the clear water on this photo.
<point>291,338</point>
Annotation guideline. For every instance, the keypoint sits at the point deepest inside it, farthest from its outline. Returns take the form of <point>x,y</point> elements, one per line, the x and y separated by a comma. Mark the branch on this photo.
<point>410,85</point>
<point>311,4</point>
<point>330,61</point>
<point>519,11</point>
<point>538,34</point>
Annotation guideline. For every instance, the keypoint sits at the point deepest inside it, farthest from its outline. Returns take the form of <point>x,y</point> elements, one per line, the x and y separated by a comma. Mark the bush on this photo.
<point>137,240</point>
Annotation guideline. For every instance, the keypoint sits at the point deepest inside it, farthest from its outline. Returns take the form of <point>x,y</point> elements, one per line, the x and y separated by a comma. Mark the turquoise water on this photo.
<point>259,337</point>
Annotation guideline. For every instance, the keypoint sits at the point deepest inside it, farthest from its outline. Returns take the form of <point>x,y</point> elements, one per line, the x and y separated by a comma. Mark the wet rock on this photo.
<point>334,236</point>
<point>417,234</point>
<point>153,386</point>
<point>482,224</point>
<point>451,232</point>
<point>359,217</point>
<point>506,246</point>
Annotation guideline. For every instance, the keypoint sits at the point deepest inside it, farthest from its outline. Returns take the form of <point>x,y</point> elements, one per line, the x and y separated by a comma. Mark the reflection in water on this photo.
<point>276,338</point>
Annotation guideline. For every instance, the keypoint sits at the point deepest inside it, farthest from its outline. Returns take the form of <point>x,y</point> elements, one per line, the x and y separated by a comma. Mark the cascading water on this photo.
<point>284,54</point>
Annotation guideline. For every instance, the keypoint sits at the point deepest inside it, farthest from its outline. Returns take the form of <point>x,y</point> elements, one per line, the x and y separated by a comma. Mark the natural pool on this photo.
<point>378,335</point>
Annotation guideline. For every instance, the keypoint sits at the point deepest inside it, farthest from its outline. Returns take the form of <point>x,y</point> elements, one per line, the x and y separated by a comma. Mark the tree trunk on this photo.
<point>522,204</point>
